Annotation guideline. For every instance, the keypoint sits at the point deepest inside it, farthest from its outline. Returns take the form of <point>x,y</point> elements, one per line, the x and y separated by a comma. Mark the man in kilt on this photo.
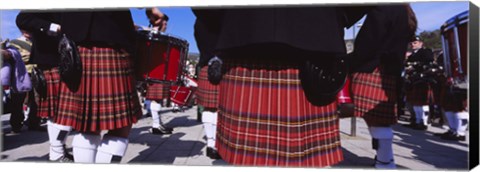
<point>45,29</point>
<point>157,92</point>
<point>207,92</point>
<point>104,98</point>
<point>264,117</point>
<point>453,100</point>
<point>418,93</point>
<point>155,95</point>
<point>376,69</point>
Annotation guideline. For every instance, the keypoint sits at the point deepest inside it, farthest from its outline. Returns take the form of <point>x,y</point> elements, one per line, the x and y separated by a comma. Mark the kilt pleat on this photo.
<point>419,95</point>
<point>207,93</point>
<point>266,120</point>
<point>374,97</point>
<point>157,91</point>
<point>106,98</point>
<point>48,107</point>
<point>450,101</point>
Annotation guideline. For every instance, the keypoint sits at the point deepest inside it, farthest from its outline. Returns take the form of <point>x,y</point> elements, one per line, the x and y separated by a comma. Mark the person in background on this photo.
<point>419,95</point>
<point>376,68</point>
<point>157,92</point>
<point>456,113</point>
<point>453,102</point>
<point>17,115</point>
<point>45,29</point>
<point>24,45</point>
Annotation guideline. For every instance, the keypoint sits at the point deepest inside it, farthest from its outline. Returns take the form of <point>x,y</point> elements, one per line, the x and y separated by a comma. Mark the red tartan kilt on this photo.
<point>207,93</point>
<point>265,119</point>
<point>47,107</point>
<point>451,102</point>
<point>374,97</point>
<point>106,98</point>
<point>156,91</point>
<point>419,95</point>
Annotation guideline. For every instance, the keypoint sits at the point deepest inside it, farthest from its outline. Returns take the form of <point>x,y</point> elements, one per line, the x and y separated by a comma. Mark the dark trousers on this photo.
<point>33,120</point>
<point>17,114</point>
<point>16,111</point>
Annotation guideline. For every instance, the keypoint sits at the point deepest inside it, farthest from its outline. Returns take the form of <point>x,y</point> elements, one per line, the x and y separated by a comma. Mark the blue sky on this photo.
<point>430,15</point>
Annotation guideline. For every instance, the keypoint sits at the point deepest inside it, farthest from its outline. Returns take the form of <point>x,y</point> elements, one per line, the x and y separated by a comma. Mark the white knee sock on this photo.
<point>384,137</point>
<point>112,149</point>
<point>175,106</point>
<point>421,114</point>
<point>85,147</point>
<point>156,119</point>
<point>452,124</point>
<point>426,112</point>
<point>57,135</point>
<point>462,122</point>
<point>210,126</point>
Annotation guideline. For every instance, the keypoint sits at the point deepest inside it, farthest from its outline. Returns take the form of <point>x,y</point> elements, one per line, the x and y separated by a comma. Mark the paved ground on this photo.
<point>414,150</point>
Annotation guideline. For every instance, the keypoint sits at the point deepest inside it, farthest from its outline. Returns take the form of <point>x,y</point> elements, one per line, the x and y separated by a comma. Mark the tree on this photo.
<point>432,39</point>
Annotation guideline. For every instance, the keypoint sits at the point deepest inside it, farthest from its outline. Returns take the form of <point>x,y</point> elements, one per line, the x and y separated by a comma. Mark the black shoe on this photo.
<point>15,131</point>
<point>148,114</point>
<point>383,165</point>
<point>160,131</point>
<point>166,128</point>
<point>64,159</point>
<point>37,128</point>
<point>420,127</point>
<point>442,134</point>
<point>410,125</point>
<point>453,136</point>
<point>213,153</point>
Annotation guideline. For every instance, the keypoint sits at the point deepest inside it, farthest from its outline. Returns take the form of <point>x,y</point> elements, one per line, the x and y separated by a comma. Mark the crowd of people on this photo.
<point>268,80</point>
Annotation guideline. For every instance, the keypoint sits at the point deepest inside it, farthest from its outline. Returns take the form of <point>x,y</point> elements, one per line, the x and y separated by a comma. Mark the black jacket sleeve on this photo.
<point>44,46</point>
<point>424,55</point>
<point>382,40</point>
<point>34,22</point>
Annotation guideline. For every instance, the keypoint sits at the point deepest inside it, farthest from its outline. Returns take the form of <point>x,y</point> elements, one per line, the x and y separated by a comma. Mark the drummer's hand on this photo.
<point>156,16</point>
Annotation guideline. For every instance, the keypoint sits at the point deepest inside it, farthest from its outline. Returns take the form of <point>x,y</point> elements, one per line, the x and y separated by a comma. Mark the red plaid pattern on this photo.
<point>374,96</point>
<point>419,95</point>
<point>47,107</point>
<point>157,91</point>
<point>207,93</point>
<point>265,119</point>
<point>450,102</point>
<point>106,98</point>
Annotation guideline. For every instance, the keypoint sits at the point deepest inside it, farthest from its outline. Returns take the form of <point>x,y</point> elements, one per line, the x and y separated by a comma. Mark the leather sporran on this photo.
<point>215,70</point>
<point>322,79</point>
<point>39,83</point>
<point>70,66</point>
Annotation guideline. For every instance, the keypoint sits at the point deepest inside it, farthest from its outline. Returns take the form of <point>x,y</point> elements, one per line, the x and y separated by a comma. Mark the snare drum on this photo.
<point>160,57</point>
<point>454,40</point>
<point>181,94</point>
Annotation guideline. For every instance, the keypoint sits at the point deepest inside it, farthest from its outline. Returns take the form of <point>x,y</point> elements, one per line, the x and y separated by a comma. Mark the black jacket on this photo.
<point>206,40</point>
<point>44,47</point>
<point>382,40</point>
<point>105,28</point>
<point>424,55</point>
<point>95,28</point>
<point>282,30</point>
